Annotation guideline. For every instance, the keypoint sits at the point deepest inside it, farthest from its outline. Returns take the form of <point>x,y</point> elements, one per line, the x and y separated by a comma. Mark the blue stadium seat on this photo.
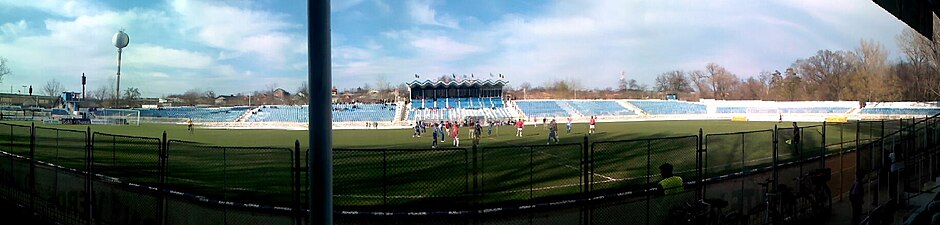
<point>669,107</point>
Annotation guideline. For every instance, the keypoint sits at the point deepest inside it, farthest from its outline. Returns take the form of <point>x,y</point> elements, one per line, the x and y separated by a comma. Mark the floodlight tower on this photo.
<point>120,40</point>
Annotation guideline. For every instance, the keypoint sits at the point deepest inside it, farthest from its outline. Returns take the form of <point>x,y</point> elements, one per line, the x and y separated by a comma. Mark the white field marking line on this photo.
<point>574,168</point>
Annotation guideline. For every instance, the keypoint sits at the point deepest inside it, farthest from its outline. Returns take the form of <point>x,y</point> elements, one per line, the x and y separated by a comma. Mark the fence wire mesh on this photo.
<point>127,158</point>
<point>526,173</point>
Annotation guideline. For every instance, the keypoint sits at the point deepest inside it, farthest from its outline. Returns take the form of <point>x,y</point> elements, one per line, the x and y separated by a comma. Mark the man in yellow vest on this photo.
<point>670,184</point>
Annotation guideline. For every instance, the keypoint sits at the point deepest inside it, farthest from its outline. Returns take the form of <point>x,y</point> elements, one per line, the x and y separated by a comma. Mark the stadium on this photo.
<point>244,161</point>
<point>839,136</point>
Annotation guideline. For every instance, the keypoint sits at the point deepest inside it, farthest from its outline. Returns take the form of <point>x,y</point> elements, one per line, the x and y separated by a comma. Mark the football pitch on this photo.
<point>390,167</point>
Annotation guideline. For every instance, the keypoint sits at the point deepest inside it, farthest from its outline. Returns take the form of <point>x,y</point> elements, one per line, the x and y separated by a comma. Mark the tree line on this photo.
<point>862,74</point>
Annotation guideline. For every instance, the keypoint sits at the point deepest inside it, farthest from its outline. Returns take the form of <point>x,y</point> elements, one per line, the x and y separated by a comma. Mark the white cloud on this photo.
<point>598,39</point>
<point>238,29</point>
<point>339,6</point>
<point>13,29</point>
<point>157,56</point>
<point>67,8</point>
<point>443,48</point>
<point>159,75</point>
<point>422,13</point>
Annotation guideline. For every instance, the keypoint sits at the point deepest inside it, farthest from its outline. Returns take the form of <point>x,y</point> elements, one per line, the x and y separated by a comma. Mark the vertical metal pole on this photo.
<point>320,163</point>
<point>164,155</point>
<point>700,180</point>
<point>117,90</point>
<point>648,176</point>
<point>586,180</point>
<point>744,172</point>
<point>776,157</point>
<point>298,206</point>
<point>822,156</point>
<point>841,160</point>
<point>31,182</point>
<point>385,179</point>
<point>225,183</point>
<point>89,162</point>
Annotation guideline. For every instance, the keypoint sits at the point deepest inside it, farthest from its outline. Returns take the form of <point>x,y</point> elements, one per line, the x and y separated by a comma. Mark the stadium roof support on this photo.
<point>320,161</point>
<point>918,14</point>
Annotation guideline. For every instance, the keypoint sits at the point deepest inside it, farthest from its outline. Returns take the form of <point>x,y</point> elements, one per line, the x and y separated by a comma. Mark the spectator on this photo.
<point>857,197</point>
<point>671,184</point>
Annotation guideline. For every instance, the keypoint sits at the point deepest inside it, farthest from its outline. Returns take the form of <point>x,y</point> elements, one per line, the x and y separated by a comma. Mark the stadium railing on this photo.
<point>84,177</point>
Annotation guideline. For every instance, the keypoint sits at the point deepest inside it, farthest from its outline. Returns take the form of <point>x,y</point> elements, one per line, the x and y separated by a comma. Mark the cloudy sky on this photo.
<point>239,46</point>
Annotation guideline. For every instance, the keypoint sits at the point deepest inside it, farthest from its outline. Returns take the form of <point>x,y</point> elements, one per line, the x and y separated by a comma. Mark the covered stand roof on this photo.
<point>453,83</point>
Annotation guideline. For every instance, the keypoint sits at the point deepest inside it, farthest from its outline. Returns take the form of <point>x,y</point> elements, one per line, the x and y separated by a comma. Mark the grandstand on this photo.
<point>659,107</point>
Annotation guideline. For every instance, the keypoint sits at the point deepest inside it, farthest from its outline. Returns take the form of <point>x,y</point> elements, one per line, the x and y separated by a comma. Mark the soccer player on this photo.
<point>592,123</point>
<point>535,122</point>
<point>569,125</point>
<point>455,131</point>
<point>519,125</point>
<point>552,132</point>
<point>477,132</point>
<point>189,125</point>
<point>489,128</point>
<point>441,128</point>
<point>544,123</point>
<point>447,127</point>
<point>418,127</point>
<point>437,129</point>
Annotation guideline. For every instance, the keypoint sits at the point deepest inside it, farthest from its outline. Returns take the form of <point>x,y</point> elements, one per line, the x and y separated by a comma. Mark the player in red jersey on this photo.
<point>519,124</point>
<point>593,122</point>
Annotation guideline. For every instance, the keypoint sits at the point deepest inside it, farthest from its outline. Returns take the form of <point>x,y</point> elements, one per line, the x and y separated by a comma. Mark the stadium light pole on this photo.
<point>120,40</point>
<point>320,159</point>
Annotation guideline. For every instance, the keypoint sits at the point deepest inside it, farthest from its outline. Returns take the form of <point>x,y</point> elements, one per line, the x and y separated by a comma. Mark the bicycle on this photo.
<point>771,207</point>
<point>813,187</point>
<point>705,212</point>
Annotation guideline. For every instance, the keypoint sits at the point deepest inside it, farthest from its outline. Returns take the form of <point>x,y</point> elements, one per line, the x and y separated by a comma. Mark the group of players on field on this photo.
<point>443,129</point>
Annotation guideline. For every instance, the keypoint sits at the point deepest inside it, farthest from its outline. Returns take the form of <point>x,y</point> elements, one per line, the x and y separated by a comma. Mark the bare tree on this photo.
<point>723,82</point>
<point>826,73</point>
<point>922,64</point>
<point>131,96</point>
<point>751,89</point>
<point>4,68</point>
<point>52,88</point>
<point>673,82</point>
<point>700,83</point>
<point>191,97</point>
<point>525,85</point>
<point>871,80</point>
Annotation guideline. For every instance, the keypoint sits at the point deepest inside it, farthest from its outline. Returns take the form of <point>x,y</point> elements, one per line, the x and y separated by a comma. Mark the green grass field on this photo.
<point>412,174</point>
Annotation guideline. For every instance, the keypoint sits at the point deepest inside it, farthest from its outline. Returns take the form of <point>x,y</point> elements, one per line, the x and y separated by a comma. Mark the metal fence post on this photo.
<point>841,160</point>
<point>700,193</point>
<point>385,179</point>
<point>825,150</point>
<point>89,157</point>
<point>648,183</point>
<point>164,155</point>
<point>586,181</point>
<point>744,172</point>
<point>31,180</point>
<point>776,157</point>
<point>225,183</point>
<point>588,169</point>
<point>298,208</point>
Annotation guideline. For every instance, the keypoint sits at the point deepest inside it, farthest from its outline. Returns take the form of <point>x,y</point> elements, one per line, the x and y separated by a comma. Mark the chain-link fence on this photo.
<point>735,165</point>
<point>78,177</point>
<point>656,175</point>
